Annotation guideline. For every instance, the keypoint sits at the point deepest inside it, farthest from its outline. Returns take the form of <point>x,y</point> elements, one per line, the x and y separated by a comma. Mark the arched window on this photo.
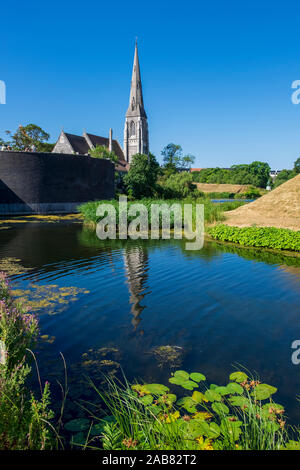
<point>132,128</point>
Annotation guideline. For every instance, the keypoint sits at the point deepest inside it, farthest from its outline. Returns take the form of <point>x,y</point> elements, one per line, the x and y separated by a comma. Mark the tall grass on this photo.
<point>212,212</point>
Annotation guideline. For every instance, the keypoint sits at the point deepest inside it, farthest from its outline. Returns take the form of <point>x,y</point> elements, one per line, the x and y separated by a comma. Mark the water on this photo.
<point>216,307</point>
<point>221,201</point>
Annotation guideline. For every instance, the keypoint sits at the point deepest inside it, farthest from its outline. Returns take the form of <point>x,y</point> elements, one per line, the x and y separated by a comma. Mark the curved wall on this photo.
<point>52,182</point>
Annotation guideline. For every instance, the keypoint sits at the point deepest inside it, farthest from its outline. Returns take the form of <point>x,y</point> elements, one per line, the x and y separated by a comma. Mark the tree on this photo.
<point>283,176</point>
<point>27,136</point>
<point>297,166</point>
<point>188,160</point>
<point>172,156</point>
<point>100,151</point>
<point>141,178</point>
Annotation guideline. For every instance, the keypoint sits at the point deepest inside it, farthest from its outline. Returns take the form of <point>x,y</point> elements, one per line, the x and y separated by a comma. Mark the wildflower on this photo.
<point>204,444</point>
<point>129,442</point>
<point>186,418</point>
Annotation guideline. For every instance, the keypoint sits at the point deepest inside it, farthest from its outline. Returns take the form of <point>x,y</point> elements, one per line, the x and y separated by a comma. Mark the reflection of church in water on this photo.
<point>136,266</point>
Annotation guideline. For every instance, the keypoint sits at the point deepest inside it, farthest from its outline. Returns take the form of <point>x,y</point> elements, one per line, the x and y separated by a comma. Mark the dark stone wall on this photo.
<point>49,182</point>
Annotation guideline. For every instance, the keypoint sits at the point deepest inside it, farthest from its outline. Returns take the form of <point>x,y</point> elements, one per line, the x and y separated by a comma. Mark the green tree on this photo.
<point>100,151</point>
<point>188,160</point>
<point>141,178</point>
<point>172,156</point>
<point>284,176</point>
<point>297,166</point>
<point>27,136</point>
<point>178,186</point>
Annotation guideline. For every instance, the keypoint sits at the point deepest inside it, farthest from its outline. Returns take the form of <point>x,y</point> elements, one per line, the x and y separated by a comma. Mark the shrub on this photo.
<point>178,186</point>
<point>23,417</point>
<point>267,237</point>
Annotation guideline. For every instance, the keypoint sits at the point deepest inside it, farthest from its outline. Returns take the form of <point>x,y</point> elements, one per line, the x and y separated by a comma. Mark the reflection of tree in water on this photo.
<point>136,266</point>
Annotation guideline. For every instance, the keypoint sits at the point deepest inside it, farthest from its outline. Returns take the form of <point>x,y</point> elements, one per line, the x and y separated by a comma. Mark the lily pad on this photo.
<point>146,399</point>
<point>238,376</point>
<point>79,424</point>
<point>234,387</point>
<point>212,395</point>
<point>220,408</point>
<point>78,439</point>
<point>157,389</point>
<point>197,377</point>
<point>182,375</point>
<point>263,391</point>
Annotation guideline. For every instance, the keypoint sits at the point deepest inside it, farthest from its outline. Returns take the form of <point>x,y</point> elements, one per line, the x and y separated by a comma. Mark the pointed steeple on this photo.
<point>136,103</point>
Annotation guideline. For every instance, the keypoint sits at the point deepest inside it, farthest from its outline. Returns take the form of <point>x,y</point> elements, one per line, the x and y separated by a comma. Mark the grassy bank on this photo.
<point>212,212</point>
<point>266,237</point>
<point>23,422</point>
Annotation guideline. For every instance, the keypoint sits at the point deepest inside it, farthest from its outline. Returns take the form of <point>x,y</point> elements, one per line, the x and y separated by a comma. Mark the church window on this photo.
<point>132,128</point>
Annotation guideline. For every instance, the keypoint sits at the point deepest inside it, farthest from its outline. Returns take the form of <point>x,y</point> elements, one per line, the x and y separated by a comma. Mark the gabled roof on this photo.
<point>78,143</point>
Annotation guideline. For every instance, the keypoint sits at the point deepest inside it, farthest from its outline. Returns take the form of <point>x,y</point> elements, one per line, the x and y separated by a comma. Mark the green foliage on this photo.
<point>267,237</point>
<point>256,173</point>
<point>283,176</point>
<point>297,166</point>
<point>26,136</point>
<point>100,151</point>
<point>174,159</point>
<point>226,417</point>
<point>212,212</point>
<point>177,186</point>
<point>141,178</point>
<point>23,423</point>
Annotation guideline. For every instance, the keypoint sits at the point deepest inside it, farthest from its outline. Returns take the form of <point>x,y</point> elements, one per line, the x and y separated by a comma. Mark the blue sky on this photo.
<point>216,75</point>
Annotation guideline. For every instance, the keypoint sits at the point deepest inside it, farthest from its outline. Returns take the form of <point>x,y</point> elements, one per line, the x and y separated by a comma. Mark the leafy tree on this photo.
<point>100,151</point>
<point>283,176</point>
<point>187,161</point>
<point>141,178</point>
<point>297,166</point>
<point>172,156</point>
<point>27,136</point>
<point>178,186</point>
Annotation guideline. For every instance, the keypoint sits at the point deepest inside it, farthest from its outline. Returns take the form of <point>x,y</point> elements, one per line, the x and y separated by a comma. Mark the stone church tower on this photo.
<point>136,138</point>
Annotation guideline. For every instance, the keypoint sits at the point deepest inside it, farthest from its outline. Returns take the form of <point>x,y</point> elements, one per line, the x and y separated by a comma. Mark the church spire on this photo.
<point>136,103</point>
<point>136,137</point>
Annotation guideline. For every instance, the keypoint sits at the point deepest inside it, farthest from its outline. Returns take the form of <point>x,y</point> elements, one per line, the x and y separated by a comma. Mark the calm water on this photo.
<point>215,308</point>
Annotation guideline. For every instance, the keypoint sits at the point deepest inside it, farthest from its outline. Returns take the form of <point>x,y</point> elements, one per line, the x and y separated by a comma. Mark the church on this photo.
<point>136,136</point>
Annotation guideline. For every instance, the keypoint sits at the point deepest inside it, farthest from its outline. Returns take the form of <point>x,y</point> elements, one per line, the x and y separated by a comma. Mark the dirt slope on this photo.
<point>222,188</point>
<point>279,208</point>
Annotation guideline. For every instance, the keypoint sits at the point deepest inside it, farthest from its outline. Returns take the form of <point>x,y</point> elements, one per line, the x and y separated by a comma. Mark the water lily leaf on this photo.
<point>154,409</point>
<point>197,377</point>
<point>146,400</point>
<point>181,374</point>
<point>238,376</point>
<point>189,384</point>
<point>196,428</point>
<point>202,415</point>
<point>167,399</point>
<point>263,391</point>
<point>214,430</point>
<point>199,397</point>
<point>79,424</point>
<point>157,389</point>
<point>222,390</point>
<point>239,401</point>
<point>212,395</point>
<point>231,429</point>
<point>234,387</point>
<point>220,408</point>
<point>272,407</point>
<point>97,429</point>
<point>140,389</point>
<point>188,403</point>
<point>78,439</point>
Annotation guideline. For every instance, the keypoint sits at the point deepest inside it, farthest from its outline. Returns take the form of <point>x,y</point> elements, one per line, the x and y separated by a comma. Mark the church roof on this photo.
<point>136,102</point>
<point>78,143</point>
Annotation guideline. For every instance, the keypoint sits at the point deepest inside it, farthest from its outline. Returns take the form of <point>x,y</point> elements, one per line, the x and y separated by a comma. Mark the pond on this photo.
<point>150,307</point>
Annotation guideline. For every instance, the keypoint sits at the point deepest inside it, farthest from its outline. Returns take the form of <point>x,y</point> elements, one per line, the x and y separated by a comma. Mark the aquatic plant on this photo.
<point>267,237</point>
<point>239,415</point>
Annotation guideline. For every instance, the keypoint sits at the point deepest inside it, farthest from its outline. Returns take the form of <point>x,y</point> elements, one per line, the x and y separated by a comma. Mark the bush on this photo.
<point>23,418</point>
<point>267,237</point>
<point>178,186</point>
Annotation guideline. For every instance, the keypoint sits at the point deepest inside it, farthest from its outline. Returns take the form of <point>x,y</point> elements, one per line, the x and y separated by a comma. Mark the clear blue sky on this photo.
<point>216,75</point>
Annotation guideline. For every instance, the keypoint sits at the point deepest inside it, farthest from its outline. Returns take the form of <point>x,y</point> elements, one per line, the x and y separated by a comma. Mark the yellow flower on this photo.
<point>204,444</point>
<point>172,417</point>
